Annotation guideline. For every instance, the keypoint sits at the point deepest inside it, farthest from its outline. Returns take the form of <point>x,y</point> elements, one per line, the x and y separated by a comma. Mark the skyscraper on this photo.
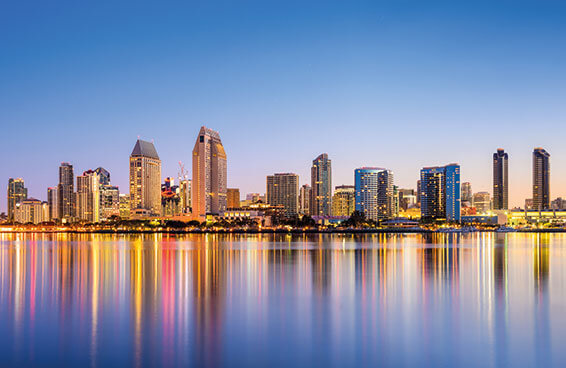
<point>482,202</point>
<point>52,203</point>
<point>500,180</point>
<point>88,197</point>
<point>344,200</point>
<point>321,186</point>
<point>305,200</point>
<point>17,193</point>
<point>65,193</point>
<point>233,199</point>
<point>145,180</point>
<point>375,196</point>
<point>209,184</point>
<point>103,176</point>
<point>109,202</point>
<point>440,193</point>
<point>541,179</point>
<point>283,190</point>
<point>467,193</point>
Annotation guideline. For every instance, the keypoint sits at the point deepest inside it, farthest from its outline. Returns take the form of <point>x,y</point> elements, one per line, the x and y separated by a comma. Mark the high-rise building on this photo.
<point>170,198</point>
<point>88,197</point>
<point>541,179</point>
<point>103,176</point>
<point>440,193</point>
<point>17,192</point>
<point>124,206</point>
<point>233,197</point>
<point>407,199</point>
<point>52,203</point>
<point>467,194</point>
<point>305,200</point>
<point>65,193</point>
<point>500,180</point>
<point>209,184</point>
<point>321,186</point>
<point>375,196</point>
<point>31,211</point>
<point>145,180</point>
<point>344,200</point>
<point>283,190</point>
<point>185,194</point>
<point>418,193</point>
<point>109,202</point>
<point>482,202</point>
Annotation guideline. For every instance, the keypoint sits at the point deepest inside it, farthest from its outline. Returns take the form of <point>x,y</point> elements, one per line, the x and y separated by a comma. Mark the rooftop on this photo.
<point>145,149</point>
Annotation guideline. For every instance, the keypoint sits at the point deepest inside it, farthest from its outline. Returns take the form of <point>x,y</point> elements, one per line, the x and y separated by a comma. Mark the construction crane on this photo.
<point>183,174</point>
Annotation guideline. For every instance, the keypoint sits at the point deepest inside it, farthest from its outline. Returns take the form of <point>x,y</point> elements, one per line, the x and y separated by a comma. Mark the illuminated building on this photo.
<point>17,192</point>
<point>124,206</point>
<point>407,199</point>
<point>344,200</point>
<point>254,197</point>
<point>305,200</point>
<point>103,176</point>
<point>185,194</point>
<point>440,193</point>
<point>170,198</point>
<point>375,196</point>
<point>529,204</point>
<point>321,186</point>
<point>467,196</point>
<point>282,190</point>
<point>500,180</point>
<point>31,211</point>
<point>482,202</point>
<point>109,202</point>
<point>558,204</point>
<point>65,193</point>
<point>541,179</point>
<point>209,175</point>
<point>145,180</point>
<point>52,203</point>
<point>233,198</point>
<point>88,197</point>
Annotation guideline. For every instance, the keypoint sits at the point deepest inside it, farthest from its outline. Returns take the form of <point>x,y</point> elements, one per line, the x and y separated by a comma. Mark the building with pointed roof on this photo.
<point>145,179</point>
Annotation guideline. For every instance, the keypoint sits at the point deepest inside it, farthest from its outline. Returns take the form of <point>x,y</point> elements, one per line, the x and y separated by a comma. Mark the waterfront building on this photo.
<point>170,198</point>
<point>407,199</point>
<point>321,186</point>
<point>17,192</point>
<point>31,211</point>
<point>109,202</point>
<point>233,198</point>
<point>52,203</point>
<point>375,196</point>
<point>185,194</point>
<point>145,179</point>
<point>440,193</point>
<point>541,179</point>
<point>209,184</point>
<point>88,197</point>
<point>344,200</point>
<point>305,200</point>
<point>500,180</point>
<point>467,195</point>
<point>65,193</point>
<point>418,193</point>
<point>482,202</point>
<point>124,206</point>
<point>283,190</point>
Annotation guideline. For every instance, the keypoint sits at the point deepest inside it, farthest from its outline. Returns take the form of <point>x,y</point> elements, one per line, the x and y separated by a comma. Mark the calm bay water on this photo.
<point>277,300</point>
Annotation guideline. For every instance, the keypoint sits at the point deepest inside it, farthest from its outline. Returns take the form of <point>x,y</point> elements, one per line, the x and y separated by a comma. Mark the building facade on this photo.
<point>31,211</point>
<point>88,197</point>
<point>541,179</point>
<point>375,196</point>
<point>52,203</point>
<point>440,193</point>
<point>500,180</point>
<point>283,190</point>
<point>467,194</point>
<point>482,202</point>
<point>17,193</point>
<point>209,184</point>
<point>233,197</point>
<point>344,200</point>
<point>109,202</point>
<point>305,200</point>
<point>66,193</point>
<point>145,179</point>
<point>321,186</point>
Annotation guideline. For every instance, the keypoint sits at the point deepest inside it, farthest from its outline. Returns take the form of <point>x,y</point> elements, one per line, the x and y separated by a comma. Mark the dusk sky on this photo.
<point>394,84</point>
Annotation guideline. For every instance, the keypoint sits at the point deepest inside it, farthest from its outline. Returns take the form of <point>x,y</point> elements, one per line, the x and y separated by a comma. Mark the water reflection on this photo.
<point>223,300</point>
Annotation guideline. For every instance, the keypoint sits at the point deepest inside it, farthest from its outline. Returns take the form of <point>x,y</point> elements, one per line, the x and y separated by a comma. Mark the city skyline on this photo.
<point>341,73</point>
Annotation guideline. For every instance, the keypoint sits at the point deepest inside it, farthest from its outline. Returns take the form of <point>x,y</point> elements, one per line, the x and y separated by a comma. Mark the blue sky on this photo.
<point>396,84</point>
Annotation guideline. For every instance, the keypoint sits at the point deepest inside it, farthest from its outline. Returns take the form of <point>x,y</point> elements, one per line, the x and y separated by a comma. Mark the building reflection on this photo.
<point>183,299</point>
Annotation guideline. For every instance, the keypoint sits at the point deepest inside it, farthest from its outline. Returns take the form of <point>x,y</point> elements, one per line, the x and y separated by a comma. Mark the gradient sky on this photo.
<point>395,84</point>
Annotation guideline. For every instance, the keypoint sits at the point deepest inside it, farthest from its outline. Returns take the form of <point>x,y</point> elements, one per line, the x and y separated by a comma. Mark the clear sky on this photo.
<point>395,84</point>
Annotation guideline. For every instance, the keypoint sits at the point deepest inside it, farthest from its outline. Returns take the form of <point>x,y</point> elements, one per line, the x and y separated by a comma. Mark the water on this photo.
<point>448,300</point>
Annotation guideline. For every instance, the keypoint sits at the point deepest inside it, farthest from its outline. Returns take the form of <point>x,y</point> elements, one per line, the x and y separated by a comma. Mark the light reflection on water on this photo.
<point>277,300</point>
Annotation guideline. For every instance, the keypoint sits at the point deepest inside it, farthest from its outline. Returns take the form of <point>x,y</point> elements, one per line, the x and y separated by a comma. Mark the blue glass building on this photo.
<point>374,193</point>
<point>440,193</point>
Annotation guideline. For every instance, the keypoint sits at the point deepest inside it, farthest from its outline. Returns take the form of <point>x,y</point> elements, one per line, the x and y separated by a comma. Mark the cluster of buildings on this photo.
<point>439,197</point>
